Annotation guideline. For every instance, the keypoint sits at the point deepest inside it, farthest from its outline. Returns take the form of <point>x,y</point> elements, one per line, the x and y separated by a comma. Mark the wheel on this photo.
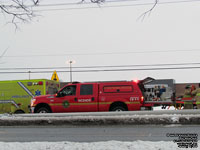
<point>118,108</point>
<point>43,110</point>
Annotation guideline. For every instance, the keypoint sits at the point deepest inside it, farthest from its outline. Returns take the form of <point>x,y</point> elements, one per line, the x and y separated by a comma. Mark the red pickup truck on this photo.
<point>93,97</point>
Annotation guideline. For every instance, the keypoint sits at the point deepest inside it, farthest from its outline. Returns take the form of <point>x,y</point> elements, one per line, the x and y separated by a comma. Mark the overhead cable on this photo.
<point>106,53</point>
<point>105,70</point>
<point>112,6</point>
<point>110,66</point>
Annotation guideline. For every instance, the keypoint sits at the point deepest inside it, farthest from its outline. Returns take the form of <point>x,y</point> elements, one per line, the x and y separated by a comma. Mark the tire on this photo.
<point>43,110</point>
<point>118,108</point>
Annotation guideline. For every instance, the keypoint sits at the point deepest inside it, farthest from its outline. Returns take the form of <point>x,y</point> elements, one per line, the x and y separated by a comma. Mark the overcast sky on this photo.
<point>105,36</point>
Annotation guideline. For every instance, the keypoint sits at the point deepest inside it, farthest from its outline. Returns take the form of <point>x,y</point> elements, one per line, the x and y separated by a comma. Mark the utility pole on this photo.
<point>70,62</point>
<point>29,74</point>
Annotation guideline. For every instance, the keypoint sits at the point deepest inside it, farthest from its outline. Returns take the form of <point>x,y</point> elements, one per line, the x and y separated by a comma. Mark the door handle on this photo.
<point>75,99</point>
<point>92,98</point>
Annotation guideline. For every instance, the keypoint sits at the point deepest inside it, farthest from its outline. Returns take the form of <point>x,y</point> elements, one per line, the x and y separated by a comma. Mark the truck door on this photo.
<point>87,100</point>
<point>65,99</point>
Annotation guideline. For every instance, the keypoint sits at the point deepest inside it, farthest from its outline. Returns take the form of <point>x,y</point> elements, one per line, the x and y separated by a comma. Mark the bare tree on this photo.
<point>148,12</point>
<point>142,16</point>
<point>22,10</point>
<point>19,10</point>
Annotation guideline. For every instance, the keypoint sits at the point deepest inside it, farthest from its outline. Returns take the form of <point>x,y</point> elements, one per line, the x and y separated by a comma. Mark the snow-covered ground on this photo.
<point>167,108</point>
<point>109,145</point>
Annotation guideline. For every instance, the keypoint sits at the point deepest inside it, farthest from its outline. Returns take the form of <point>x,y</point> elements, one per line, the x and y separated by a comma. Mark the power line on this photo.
<point>116,66</point>
<point>105,70</point>
<point>102,5</point>
<point>98,4</point>
<point>107,2</point>
<point>112,6</point>
<point>82,3</point>
<point>107,53</point>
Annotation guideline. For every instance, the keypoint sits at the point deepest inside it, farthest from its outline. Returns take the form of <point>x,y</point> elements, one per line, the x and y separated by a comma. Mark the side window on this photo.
<point>86,89</point>
<point>68,90</point>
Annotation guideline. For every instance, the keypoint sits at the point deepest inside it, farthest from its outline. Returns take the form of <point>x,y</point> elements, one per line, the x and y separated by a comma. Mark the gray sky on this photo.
<point>170,34</point>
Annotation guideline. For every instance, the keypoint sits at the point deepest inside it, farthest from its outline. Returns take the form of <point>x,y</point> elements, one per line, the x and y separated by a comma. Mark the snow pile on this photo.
<point>167,108</point>
<point>6,115</point>
<point>103,118</point>
<point>133,119</point>
<point>175,119</point>
<point>109,145</point>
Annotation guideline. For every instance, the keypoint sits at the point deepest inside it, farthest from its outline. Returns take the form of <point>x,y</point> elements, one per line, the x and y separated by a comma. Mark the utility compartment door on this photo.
<point>5,102</point>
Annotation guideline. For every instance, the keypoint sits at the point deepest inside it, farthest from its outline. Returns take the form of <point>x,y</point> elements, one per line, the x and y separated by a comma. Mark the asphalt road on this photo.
<point>93,133</point>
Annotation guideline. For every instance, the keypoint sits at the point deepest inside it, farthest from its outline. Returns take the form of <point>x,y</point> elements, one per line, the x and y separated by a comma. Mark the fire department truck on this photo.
<point>15,96</point>
<point>104,96</point>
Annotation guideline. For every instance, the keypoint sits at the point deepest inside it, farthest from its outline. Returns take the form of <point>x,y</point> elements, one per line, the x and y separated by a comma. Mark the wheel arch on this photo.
<point>40,105</point>
<point>118,103</point>
<point>19,111</point>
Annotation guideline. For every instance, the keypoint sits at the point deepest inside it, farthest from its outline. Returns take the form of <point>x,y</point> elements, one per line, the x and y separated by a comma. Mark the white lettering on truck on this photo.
<point>134,99</point>
<point>84,100</point>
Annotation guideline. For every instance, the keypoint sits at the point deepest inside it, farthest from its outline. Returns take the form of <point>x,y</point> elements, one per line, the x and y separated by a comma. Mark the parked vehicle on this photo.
<point>15,96</point>
<point>104,96</point>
